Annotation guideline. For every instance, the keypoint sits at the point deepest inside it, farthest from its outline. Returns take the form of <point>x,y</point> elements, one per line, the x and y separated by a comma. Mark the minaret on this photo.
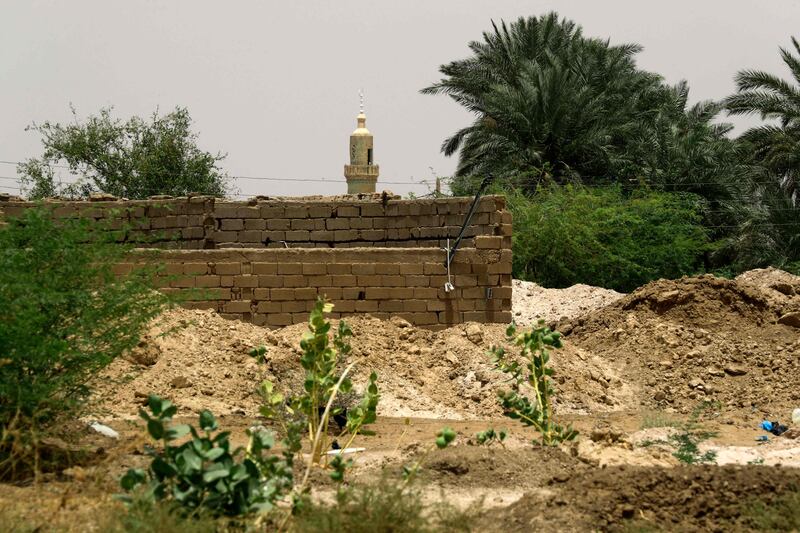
<point>361,173</point>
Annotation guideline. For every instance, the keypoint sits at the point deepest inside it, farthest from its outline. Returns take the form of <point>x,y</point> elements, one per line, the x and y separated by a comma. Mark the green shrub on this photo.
<point>203,474</point>
<point>64,316</point>
<point>606,237</point>
<point>538,411</point>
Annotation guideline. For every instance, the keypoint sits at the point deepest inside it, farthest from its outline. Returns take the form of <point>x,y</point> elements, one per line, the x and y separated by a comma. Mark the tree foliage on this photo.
<point>132,159</point>
<point>606,236</point>
<point>65,316</point>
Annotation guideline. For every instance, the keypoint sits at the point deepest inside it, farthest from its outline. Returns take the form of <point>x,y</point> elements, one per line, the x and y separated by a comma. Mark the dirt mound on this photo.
<point>698,498</point>
<point>531,302</point>
<point>200,360</point>
<point>682,341</point>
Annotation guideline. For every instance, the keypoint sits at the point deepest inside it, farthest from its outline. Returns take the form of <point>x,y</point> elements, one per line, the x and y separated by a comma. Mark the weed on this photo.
<point>490,436</point>
<point>782,514</point>
<point>659,419</point>
<point>537,412</point>
<point>444,437</point>
<point>686,442</point>
<point>383,507</point>
<point>203,474</point>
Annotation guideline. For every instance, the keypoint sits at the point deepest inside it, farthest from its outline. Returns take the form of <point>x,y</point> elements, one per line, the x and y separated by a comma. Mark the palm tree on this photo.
<point>775,146</point>
<point>547,101</point>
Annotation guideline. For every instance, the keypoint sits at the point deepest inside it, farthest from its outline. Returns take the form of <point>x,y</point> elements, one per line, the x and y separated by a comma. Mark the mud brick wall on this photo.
<point>207,223</point>
<point>181,223</point>
<point>355,223</point>
<point>277,287</point>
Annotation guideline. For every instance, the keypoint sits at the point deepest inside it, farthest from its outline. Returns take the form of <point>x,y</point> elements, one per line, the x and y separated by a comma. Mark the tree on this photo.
<point>133,159</point>
<point>548,102</point>
<point>768,231</point>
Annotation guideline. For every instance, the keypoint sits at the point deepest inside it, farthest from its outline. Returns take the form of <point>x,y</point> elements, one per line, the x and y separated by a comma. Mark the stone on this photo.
<point>474,333</point>
<point>715,371</point>
<point>180,382</point>
<point>660,396</point>
<point>696,383</point>
<point>784,288</point>
<point>791,319</point>
<point>735,369</point>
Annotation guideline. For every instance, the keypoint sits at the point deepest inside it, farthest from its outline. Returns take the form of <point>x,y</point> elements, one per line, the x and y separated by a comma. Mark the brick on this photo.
<point>372,210</point>
<point>366,306</point>
<point>366,281</point>
<point>296,211</point>
<point>182,281</point>
<point>281,224</point>
<point>302,224</point>
<point>314,268</point>
<point>363,268</point>
<point>225,236</point>
<point>331,293</point>
<point>281,294</point>
<point>417,281</point>
<point>305,293</point>
<point>412,306</point>
<point>232,224</point>
<point>339,268</point>
<point>293,306</point>
<point>343,280</point>
<point>390,306</point>
<point>434,269</point>
<point>298,235</point>
<point>270,280</point>
<point>319,281</point>
<point>261,293</point>
<point>264,268</point>
<point>353,293</point>
<point>271,211</point>
<point>245,281</point>
<point>320,211</point>
<point>195,268</point>
<point>279,319</point>
<point>425,319</point>
<point>269,307</point>
<point>475,316</point>
<point>226,281</point>
<point>499,268</point>
<point>255,224</point>
<point>411,268</point>
<point>388,269</point>
<point>401,293</point>
<point>345,306</point>
<point>321,236</point>
<point>337,223</point>
<point>373,234</point>
<point>274,236</point>
<point>206,281</point>
<point>345,235</point>
<point>348,211</point>
<point>377,293</point>
<point>501,292</point>
<point>296,280</point>
<point>360,223</point>
<point>290,268</point>
<point>227,268</point>
<point>250,236</point>
<point>248,212</point>
<point>465,281</point>
<point>425,293</point>
<point>435,305</point>
<point>393,281</point>
<point>236,307</point>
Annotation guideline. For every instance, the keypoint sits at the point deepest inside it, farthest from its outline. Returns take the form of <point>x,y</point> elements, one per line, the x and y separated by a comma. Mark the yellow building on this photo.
<point>361,173</point>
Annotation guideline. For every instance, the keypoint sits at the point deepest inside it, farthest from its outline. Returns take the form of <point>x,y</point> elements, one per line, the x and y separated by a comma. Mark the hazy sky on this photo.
<point>275,84</point>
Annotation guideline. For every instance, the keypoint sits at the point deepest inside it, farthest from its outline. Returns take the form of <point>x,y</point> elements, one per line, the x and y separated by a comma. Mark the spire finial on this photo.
<point>361,101</point>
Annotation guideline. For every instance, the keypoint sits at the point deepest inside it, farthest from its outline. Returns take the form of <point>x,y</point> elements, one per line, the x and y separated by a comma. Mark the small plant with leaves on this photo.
<point>322,358</point>
<point>444,437</point>
<point>490,436</point>
<point>687,439</point>
<point>204,474</point>
<point>535,348</point>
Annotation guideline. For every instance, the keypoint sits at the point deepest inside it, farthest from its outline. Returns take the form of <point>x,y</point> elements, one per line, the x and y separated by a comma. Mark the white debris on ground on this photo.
<point>531,302</point>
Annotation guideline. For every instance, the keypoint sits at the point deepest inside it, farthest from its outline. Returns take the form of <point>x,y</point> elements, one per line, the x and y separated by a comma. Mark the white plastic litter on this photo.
<point>104,430</point>
<point>345,451</point>
<point>796,416</point>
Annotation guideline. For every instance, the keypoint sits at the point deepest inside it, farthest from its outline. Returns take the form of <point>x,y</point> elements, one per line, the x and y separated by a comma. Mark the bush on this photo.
<point>65,316</point>
<point>606,237</point>
<point>203,474</point>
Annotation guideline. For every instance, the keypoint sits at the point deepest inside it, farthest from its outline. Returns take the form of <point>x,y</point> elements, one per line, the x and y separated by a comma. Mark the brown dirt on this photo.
<point>697,498</point>
<point>683,341</point>
<point>203,362</point>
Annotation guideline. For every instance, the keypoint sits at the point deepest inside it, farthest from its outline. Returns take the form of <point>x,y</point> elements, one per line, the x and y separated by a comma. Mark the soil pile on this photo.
<point>200,360</point>
<point>682,341</point>
<point>531,302</point>
<point>697,498</point>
